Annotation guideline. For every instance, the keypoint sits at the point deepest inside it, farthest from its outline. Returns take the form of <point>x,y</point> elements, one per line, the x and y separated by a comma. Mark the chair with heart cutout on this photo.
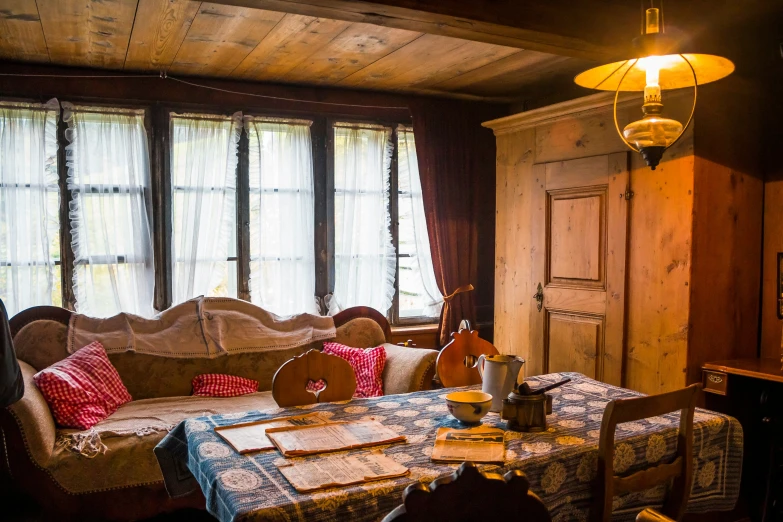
<point>311,378</point>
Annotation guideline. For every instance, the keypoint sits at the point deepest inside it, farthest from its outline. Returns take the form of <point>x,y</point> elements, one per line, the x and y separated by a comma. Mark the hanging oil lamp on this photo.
<point>659,66</point>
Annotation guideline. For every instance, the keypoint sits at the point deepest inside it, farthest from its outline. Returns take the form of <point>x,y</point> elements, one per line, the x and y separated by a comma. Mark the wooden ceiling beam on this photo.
<point>589,30</point>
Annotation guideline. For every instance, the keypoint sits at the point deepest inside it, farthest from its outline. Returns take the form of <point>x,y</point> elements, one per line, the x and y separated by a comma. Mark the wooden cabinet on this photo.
<point>644,274</point>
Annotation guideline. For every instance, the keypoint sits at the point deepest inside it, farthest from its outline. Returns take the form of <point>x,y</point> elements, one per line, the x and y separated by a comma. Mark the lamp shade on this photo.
<point>674,72</point>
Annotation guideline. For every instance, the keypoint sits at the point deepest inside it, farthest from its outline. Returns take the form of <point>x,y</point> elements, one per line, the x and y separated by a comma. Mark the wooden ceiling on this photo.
<point>191,38</point>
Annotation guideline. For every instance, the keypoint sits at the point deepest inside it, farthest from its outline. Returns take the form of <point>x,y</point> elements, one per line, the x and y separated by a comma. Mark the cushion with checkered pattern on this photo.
<point>222,385</point>
<point>367,364</point>
<point>82,389</point>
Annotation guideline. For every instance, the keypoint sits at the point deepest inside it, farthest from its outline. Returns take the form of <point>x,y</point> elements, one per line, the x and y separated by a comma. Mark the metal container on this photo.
<point>525,412</point>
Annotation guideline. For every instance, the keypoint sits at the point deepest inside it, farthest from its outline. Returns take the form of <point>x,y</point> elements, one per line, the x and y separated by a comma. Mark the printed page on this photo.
<point>339,470</point>
<point>251,436</point>
<point>480,444</point>
<point>334,436</point>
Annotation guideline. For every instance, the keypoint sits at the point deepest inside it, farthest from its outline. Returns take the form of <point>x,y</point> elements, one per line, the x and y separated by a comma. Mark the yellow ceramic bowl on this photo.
<point>469,406</point>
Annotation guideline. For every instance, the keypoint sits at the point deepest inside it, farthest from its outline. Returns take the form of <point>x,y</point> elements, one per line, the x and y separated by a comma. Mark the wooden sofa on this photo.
<point>125,482</point>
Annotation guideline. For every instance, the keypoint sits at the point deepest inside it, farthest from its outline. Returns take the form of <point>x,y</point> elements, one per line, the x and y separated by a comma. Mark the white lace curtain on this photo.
<point>203,171</point>
<point>29,201</point>
<point>365,259</point>
<point>109,178</point>
<point>420,257</point>
<point>282,257</point>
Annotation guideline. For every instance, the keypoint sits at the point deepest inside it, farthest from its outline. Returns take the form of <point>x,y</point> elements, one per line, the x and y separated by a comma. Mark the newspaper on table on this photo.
<point>248,437</point>
<point>295,441</point>
<point>339,470</point>
<point>479,444</point>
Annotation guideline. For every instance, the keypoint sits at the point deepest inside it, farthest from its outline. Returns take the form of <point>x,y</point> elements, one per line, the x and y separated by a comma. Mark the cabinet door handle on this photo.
<point>539,297</point>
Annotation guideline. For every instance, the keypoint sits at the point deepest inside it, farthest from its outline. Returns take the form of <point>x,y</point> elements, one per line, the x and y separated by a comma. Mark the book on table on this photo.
<point>296,441</point>
<point>248,437</point>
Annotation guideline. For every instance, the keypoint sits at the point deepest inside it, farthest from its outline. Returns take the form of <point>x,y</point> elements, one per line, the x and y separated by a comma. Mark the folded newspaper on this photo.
<point>339,470</point>
<point>479,444</point>
<point>295,441</point>
<point>248,437</point>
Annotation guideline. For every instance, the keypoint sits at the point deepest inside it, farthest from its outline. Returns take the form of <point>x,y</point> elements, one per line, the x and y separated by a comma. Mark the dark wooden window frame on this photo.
<point>157,125</point>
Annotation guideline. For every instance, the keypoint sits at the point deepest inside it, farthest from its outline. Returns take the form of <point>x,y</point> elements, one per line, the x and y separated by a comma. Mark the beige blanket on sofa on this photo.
<point>205,327</point>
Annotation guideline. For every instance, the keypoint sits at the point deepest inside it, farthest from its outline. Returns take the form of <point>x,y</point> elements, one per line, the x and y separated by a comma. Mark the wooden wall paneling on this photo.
<point>87,32</point>
<point>513,294</point>
<point>22,34</point>
<point>659,270</point>
<point>356,47</point>
<point>293,40</point>
<point>158,32</point>
<point>771,326</point>
<point>727,225</point>
<point>616,267</point>
<point>220,37</point>
<point>536,319</point>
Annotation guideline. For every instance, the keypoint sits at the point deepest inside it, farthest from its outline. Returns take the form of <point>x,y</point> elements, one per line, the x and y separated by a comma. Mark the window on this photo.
<point>419,296</point>
<point>29,206</point>
<point>364,255</point>
<point>295,215</point>
<point>109,180</point>
<point>204,225</point>
<point>282,254</point>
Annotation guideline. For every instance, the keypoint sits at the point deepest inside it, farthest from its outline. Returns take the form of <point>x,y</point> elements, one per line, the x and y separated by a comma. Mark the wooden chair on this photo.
<point>469,495</point>
<point>289,385</point>
<point>451,367</point>
<point>608,485</point>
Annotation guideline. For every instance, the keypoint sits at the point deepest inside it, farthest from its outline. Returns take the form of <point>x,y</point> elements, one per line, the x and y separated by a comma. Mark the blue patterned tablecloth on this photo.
<point>559,462</point>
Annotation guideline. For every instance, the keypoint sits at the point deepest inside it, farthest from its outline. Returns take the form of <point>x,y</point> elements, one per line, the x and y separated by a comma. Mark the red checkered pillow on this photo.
<point>367,365</point>
<point>82,389</point>
<point>221,385</point>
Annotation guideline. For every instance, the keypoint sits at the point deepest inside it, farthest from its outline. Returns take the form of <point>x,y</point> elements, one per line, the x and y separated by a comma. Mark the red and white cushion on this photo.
<point>82,389</point>
<point>367,365</point>
<point>221,385</point>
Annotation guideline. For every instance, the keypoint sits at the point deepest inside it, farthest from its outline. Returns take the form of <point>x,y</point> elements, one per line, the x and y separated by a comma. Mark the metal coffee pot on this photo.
<point>499,375</point>
<point>525,412</point>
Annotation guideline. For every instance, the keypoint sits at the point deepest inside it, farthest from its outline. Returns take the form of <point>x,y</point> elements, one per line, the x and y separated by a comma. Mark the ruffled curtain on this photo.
<point>203,171</point>
<point>413,225</point>
<point>109,178</point>
<point>29,201</point>
<point>365,259</point>
<point>282,255</point>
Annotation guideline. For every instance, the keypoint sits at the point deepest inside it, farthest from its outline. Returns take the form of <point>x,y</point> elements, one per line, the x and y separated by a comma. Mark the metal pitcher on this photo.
<point>499,375</point>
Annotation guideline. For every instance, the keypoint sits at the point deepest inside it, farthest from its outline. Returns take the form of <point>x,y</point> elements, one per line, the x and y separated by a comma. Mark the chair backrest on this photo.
<point>470,495</point>
<point>680,470</point>
<point>451,368</point>
<point>289,385</point>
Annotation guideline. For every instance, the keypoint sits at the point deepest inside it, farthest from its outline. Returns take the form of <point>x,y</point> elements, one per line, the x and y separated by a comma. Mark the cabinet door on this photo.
<point>579,251</point>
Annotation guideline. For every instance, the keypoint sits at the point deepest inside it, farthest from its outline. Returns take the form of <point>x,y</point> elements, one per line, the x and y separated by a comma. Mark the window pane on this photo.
<point>365,260</point>
<point>29,206</point>
<point>203,171</point>
<point>109,178</point>
<point>419,294</point>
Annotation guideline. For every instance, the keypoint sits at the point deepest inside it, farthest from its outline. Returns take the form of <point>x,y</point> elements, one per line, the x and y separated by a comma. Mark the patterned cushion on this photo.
<point>220,385</point>
<point>82,389</point>
<point>367,365</point>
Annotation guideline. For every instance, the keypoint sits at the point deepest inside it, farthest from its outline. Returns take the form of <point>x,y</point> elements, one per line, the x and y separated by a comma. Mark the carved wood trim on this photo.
<point>364,311</point>
<point>38,313</point>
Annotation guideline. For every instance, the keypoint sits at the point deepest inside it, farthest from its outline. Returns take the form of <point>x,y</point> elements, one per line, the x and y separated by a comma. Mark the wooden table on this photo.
<point>560,462</point>
<point>751,390</point>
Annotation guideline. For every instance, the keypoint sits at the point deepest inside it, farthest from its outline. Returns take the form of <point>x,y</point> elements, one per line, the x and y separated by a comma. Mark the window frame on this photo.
<point>157,125</point>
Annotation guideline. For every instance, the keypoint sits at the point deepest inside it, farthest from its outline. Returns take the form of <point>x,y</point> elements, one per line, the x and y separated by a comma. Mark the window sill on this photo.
<point>421,335</point>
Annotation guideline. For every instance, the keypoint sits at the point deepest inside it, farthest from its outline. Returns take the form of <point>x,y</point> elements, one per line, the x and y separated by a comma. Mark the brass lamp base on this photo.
<point>652,155</point>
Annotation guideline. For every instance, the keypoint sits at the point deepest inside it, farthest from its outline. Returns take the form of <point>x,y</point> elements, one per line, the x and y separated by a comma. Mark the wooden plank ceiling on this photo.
<point>185,37</point>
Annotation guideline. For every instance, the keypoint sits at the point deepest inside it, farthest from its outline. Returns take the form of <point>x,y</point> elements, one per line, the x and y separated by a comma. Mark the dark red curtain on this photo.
<point>456,154</point>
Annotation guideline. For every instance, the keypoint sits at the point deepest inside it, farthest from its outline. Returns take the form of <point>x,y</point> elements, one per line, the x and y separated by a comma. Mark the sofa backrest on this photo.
<point>42,343</point>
